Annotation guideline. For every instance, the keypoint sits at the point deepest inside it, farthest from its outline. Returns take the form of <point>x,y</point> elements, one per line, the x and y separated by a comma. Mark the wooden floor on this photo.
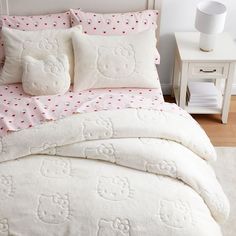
<point>220,134</point>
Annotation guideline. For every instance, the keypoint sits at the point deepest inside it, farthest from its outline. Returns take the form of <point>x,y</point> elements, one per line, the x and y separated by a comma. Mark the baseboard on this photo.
<point>166,88</point>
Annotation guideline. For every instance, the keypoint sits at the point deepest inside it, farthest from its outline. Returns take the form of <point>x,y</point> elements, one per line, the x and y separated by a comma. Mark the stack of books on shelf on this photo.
<point>202,94</point>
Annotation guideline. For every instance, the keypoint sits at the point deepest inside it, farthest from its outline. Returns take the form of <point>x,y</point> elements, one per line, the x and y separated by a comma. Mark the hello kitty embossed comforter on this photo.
<point>128,172</point>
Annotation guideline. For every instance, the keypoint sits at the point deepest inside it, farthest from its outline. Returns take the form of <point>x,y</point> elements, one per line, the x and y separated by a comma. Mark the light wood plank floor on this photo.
<point>220,134</point>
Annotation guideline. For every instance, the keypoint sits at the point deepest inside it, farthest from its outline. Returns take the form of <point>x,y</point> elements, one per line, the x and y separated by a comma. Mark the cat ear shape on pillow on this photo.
<point>43,198</point>
<point>104,50</point>
<point>28,60</point>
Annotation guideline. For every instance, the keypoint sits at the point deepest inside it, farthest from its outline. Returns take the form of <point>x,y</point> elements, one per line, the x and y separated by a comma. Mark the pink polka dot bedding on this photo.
<point>20,111</point>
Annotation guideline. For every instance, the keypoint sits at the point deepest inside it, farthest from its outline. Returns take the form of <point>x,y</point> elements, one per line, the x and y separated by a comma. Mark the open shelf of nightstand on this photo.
<point>201,110</point>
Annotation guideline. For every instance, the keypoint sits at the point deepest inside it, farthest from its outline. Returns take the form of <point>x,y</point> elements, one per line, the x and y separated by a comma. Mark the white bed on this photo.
<point>124,172</point>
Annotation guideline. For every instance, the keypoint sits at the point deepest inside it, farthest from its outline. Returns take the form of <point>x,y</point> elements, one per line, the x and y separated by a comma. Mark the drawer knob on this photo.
<point>208,71</point>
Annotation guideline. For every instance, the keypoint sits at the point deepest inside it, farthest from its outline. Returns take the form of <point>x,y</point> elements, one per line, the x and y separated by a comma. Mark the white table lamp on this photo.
<point>210,21</point>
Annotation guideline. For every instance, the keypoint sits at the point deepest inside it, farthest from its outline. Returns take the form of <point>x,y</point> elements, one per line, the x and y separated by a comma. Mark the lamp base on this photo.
<point>207,42</point>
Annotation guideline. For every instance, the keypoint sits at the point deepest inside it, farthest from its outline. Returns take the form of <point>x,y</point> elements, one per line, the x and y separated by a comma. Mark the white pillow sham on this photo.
<point>114,61</point>
<point>37,44</point>
<point>46,77</point>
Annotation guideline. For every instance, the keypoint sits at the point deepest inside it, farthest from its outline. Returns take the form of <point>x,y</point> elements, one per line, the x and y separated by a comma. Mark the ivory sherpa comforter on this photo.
<point>130,172</point>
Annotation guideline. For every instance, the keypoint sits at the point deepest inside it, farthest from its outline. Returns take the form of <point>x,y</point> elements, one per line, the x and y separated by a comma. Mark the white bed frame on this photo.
<point>34,7</point>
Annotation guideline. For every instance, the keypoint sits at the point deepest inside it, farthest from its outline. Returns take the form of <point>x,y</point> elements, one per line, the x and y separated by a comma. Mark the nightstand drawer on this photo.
<point>208,70</point>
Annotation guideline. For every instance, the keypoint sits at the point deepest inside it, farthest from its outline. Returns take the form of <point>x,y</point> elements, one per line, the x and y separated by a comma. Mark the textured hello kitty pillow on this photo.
<point>116,23</point>
<point>33,23</point>
<point>37,44</point>
<point>114,61</point>
<point>49,76</point>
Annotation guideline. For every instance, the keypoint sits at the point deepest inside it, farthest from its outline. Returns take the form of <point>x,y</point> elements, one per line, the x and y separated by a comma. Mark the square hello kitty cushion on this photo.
<point>33,23</point>
<point>116,23</point>
<point>114,61</point>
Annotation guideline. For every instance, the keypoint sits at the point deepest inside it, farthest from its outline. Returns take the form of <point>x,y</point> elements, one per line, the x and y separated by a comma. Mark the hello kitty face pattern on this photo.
<point>104,152</point>
<point>100,128</point>
<point>164,167</point>
<point>117,62</point>
<point>54,209</point>
<point>4,227</point>
<point>114,188</point>
<point>117,227</point>
<point>32,23</point>
<point>49,76</point>
<point>52,71</point>
<point>6,187</point>
<point>175,214</point>
<point>55,168</point>
<point>44,45</point>
<point>54,65</point>
<point>48,44</point>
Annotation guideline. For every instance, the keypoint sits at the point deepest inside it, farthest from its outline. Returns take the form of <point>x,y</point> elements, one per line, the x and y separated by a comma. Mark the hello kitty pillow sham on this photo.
<point>114,61</point>
<point>116,23</point>
<point>49,76</point>
<point>37,44</point>
<point>33,23</point>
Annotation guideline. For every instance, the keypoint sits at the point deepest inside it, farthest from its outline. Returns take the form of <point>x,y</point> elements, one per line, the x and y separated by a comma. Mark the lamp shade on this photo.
<point>210,18</point>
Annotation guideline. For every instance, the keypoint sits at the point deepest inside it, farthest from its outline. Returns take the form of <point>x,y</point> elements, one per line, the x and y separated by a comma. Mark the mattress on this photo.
<point>103,163</point>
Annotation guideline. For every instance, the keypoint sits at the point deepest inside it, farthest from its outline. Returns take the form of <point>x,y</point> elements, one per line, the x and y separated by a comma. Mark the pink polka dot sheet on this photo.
<point>116,23</point>
<point>33,23</point>
<point>20,111</point>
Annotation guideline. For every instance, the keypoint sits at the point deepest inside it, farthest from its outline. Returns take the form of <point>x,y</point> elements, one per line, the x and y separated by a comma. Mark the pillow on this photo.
<point>116,24</point>
<point>49,76</point>
<point>38,44</point>
<point>114,61</point>
<point>31,23</point>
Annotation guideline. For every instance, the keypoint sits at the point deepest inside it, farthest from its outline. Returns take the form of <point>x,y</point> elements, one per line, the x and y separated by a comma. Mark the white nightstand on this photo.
<point>193,64</point>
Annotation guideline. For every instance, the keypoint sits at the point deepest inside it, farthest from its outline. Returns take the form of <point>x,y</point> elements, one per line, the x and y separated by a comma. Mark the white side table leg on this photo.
<point>175,78</point>
<point>218,84</point>
<point>227,93</point>
<point>183,85</point>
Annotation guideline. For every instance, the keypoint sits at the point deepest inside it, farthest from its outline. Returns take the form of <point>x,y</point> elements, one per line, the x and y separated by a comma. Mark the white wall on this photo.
<point>179,15</point>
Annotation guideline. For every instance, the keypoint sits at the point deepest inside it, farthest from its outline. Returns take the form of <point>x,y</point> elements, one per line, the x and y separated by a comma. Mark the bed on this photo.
<point>104,161</point>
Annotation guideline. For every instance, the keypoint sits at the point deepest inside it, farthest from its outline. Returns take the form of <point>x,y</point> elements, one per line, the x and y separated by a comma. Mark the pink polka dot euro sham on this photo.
<point>116,23</point>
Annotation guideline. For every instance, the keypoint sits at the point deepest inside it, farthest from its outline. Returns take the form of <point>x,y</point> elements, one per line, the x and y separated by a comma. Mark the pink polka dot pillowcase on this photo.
<point>33,23</point>
<point>116,23</point>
